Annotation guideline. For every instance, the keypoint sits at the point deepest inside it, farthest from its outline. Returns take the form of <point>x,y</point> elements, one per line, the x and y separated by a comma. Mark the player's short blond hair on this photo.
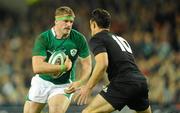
<point>64,11</point>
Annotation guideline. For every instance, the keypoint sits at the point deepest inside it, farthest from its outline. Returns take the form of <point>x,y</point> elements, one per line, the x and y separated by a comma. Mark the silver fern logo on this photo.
<point>73,52</point>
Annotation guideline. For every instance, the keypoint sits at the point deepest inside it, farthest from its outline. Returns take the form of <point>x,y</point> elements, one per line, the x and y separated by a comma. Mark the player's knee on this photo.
<point>56,110</point>
<point>26,107</point>
<point>86,111</point>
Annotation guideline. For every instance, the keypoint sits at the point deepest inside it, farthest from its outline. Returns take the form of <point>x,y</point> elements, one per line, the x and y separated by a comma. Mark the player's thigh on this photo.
<point>33,107</point>
<point>98,105</point>
<point>58,103</point>
<point>148,110</point>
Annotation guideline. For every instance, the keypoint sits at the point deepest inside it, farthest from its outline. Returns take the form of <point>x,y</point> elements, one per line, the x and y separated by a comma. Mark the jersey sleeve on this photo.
<point>83,47</point>
<point>39,48</point>
<point>97,46</point>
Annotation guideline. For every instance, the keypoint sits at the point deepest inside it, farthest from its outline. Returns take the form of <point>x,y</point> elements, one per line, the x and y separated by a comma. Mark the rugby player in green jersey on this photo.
<point>45,88</point>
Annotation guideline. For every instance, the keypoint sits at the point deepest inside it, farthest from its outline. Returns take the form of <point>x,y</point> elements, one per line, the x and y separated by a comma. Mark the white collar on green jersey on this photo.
<point>53,32</point>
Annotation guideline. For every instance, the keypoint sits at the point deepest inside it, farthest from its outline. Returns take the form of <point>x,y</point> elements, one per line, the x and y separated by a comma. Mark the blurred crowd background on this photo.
<point>151,26</point>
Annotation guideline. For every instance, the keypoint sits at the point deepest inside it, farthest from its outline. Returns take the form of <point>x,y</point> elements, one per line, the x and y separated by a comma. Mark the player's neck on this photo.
<point>57,34</point>
<point>103,29</point>
<point>100,30</point>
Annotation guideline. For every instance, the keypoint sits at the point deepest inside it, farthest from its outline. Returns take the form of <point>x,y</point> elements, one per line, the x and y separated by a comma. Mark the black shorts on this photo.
<point>132,94</point>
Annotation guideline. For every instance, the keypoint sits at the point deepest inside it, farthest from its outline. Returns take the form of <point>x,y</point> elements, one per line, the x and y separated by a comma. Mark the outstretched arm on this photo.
<point>86,67</point>
<point>98,72</point>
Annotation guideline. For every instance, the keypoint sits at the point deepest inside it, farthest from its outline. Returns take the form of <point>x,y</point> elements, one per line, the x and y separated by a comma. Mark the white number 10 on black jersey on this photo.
<point>123,44</point>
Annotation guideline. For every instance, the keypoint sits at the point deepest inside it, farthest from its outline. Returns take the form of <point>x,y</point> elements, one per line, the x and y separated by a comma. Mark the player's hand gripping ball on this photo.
<point>58,57</point>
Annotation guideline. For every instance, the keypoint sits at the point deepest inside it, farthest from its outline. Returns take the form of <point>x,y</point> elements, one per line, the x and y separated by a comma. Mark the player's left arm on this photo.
<point>85,69</point>
<point>85,60</point>
<point>97,74</point>
<point>99,69</point>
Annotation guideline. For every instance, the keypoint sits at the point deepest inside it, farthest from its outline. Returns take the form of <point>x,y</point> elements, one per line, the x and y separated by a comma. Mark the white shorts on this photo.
<point>42,90</point>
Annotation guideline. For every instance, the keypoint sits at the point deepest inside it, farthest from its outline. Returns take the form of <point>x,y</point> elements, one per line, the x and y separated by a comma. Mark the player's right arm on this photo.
<point>41,66</point>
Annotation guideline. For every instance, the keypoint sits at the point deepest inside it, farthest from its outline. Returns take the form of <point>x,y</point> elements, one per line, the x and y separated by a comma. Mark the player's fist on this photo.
<point>68,63</point>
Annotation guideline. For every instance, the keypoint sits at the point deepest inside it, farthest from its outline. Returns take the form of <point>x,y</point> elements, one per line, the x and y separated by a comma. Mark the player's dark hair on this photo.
<point>101,17</point>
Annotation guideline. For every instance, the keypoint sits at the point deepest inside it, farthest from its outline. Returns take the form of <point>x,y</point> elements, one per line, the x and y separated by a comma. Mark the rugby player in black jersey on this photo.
<point>113,55</point>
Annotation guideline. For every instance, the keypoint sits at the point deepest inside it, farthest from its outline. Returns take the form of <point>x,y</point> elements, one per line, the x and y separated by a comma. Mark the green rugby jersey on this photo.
<point>74,45</point>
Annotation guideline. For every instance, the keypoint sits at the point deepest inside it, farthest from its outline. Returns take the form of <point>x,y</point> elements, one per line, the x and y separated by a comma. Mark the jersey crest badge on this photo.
<point>73,52</point>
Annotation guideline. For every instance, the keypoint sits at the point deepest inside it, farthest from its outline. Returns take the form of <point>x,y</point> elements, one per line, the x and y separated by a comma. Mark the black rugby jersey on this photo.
<point>121,60</point>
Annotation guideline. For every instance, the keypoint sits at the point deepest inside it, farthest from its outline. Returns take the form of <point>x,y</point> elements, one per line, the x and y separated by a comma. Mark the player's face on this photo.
<point>64,26</point>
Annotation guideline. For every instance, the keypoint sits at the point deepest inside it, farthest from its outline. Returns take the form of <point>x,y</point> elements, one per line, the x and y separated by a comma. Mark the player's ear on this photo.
<point>95,24</point>
<point>55,22</point>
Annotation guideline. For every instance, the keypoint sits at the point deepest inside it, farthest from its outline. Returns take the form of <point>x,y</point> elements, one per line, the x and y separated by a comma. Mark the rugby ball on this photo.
<point>57,57</point>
